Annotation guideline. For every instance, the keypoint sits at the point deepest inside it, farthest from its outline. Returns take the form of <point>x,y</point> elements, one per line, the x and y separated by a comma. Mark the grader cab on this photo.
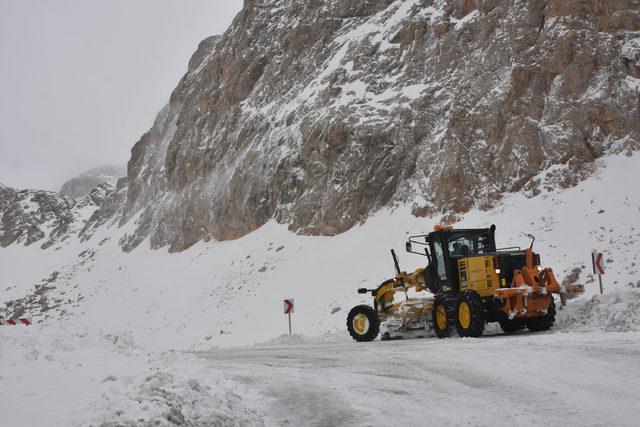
<point>472,283</point>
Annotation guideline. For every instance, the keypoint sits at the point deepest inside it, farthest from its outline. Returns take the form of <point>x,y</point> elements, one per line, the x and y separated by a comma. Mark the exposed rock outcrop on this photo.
<point>318,113</point>
<point>30,216</point>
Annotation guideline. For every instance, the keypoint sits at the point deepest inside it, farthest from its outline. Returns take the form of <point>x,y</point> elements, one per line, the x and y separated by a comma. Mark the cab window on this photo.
<point>462,244</point>
<point>440,267</point>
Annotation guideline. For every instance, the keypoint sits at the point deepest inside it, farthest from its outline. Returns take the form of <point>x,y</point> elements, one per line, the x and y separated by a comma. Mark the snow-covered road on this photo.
<point>530,379</point>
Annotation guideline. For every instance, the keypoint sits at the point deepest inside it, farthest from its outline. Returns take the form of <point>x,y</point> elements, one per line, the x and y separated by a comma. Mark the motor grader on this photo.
<point>469,282</point>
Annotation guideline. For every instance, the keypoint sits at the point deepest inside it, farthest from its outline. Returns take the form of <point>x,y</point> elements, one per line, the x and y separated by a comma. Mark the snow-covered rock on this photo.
<point>317,115</point>
<point>81,185</point>
<point>30,216</point>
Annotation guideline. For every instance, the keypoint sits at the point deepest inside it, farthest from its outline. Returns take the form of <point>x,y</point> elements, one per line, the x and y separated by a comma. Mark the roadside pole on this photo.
<point>288,309</point>
<point>598,268</point>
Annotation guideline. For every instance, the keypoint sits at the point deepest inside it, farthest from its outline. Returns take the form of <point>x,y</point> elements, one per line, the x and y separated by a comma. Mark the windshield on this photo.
<point>470,243</point>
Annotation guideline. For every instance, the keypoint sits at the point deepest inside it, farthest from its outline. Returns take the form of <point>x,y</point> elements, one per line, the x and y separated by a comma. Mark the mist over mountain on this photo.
<point>82,184</point>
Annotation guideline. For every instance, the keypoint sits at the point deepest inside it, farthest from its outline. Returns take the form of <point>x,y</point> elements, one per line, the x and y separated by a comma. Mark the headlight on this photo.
<point>497,271</point>
<point>539,268</point>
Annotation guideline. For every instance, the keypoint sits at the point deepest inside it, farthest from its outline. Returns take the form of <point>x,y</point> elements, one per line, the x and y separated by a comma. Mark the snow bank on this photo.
<point>82,378</point>
<point>58,370</point>
<point>175,389</point>
<point>618,311</point>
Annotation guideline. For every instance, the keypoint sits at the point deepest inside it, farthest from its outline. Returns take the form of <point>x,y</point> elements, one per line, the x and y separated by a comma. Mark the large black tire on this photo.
<point>363,323</point>
<point>442,314</point>
<point>511,326</point>
<point>544,322</point>
<point>469,314</point>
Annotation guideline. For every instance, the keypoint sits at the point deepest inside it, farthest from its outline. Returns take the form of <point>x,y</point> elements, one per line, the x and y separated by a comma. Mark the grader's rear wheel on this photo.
<point>469,314</point>
<point>511,326</point>
<point>544,322</point>
<point>363,323</point>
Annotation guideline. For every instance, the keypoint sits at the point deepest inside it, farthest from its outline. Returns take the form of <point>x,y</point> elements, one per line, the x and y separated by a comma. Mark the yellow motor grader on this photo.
<point>471,283</point>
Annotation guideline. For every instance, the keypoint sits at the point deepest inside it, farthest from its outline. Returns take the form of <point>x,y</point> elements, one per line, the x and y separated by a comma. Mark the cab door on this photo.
<point>440,267</point>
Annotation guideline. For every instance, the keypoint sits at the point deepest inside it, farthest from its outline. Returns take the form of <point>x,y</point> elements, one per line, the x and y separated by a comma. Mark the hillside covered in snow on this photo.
<point>302,145</point>
<point>215,293</point>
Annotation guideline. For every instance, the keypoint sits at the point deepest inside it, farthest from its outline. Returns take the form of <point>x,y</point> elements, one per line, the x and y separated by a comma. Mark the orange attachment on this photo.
<point>530,291</point>
<point>528,256</point>
<point>439,227</point>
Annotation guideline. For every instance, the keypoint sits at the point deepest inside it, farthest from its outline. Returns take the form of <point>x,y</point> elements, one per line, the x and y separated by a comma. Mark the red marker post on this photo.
<point>598,267</point>
<point>288,309</point>
<point>13,322</point>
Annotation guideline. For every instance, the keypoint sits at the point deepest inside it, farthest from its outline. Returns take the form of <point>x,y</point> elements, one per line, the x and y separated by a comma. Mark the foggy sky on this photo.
<point>82,80</point>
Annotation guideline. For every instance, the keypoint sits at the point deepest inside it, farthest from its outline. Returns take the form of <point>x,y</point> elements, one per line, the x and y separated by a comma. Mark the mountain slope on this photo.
<point>319,115</point>
<point>111,325</point>
<point>229,293</point>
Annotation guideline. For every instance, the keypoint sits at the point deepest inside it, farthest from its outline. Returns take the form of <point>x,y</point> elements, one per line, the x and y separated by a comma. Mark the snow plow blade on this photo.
<point>566,292</point>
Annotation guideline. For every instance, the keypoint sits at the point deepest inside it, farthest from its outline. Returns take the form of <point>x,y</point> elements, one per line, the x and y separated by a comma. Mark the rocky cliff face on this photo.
<point>319,113</point>
<point>31,216</point>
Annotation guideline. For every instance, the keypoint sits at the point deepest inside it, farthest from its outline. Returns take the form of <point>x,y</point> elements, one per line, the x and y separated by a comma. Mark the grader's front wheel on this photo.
<point>363,323</point>
<point>469,314</point>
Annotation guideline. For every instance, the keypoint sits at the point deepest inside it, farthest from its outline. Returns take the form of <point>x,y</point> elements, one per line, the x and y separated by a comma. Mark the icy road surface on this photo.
<point>530,379</point>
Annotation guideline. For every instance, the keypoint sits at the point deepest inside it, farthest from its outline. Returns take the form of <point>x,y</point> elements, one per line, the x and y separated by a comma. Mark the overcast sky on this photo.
<point>82,80</point>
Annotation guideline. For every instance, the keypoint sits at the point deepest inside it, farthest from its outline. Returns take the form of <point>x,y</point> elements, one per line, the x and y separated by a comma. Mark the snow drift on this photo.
<point>615,311</point>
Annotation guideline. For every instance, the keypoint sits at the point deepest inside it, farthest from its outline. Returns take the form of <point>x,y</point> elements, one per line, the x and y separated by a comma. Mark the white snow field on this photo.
<point>145,337</point>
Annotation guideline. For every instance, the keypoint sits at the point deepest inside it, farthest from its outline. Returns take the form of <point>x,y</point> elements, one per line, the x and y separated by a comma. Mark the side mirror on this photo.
<point>362,291</point>
<point>408,246</point>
